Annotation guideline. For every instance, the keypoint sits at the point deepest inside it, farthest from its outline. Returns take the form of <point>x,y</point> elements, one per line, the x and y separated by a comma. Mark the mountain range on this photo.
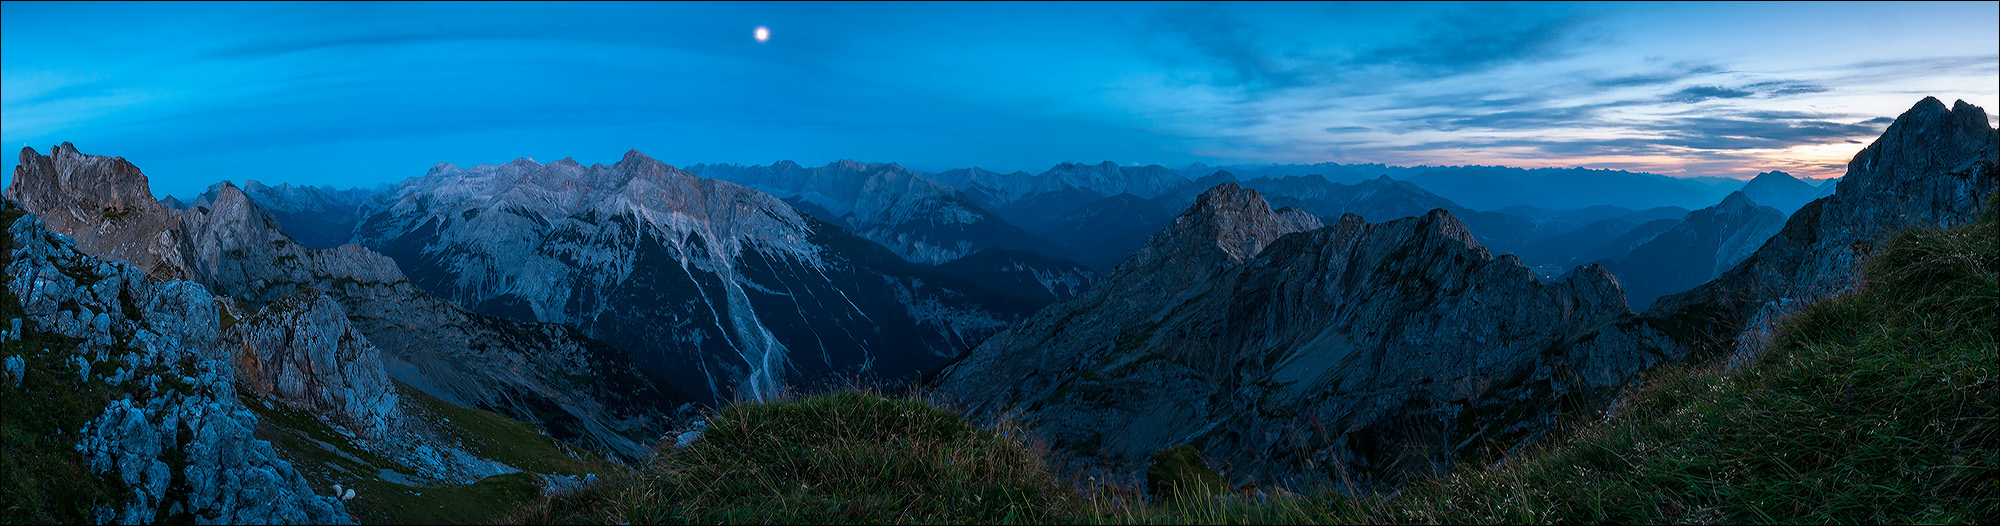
<point>723,291</point>
<point>1324,329</point>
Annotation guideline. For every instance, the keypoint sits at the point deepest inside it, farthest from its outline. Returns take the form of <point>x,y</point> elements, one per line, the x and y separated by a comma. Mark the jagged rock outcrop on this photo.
<point>722,290</point>
<point>315,216</point>
<point>1382,199</point>
<point>921,220</point>
<point>104,203</point>
<point>580,389</point>
<point>1930,168</point>
<point>303,350</point>
<point>1700,247</point>
<point>182,442</point>
<point>1305,356</point>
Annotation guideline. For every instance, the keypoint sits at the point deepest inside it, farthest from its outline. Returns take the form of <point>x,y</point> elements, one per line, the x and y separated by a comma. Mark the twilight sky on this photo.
<point>361,94</point>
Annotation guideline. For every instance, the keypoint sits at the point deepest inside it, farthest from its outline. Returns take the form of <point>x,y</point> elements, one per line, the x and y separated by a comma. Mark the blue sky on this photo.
<point>362,94</point>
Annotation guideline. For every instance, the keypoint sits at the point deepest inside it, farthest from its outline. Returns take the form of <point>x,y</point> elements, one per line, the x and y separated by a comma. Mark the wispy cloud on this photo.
<point>1484,37</point>
<point>1693,94</point>
<point>1672,75</point>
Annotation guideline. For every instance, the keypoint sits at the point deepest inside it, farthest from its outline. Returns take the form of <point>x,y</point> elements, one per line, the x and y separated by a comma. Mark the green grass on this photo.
<point>43,479</point>
<point>846,457</point>
<point>327,457</point>
<point>513,442</point>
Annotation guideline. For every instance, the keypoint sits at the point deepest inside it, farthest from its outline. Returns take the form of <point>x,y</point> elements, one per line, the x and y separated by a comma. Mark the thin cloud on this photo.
<point>1677,73</point>
<point>1693,94</point>
<point>1470,42</point>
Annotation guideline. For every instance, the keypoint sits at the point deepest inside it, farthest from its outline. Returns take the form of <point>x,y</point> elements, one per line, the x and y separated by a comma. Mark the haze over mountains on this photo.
<point>1059,229</point>
<point>1294,329</point>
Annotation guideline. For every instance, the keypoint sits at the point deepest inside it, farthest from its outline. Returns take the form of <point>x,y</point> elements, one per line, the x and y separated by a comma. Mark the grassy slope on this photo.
<point>326,457</point>
<point>840,458</point>
<point>1879,406</point>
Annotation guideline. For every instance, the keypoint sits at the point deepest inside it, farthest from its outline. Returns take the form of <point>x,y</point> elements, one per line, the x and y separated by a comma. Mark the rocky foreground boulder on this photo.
<point>1352,355</point>
<point>182,441</point>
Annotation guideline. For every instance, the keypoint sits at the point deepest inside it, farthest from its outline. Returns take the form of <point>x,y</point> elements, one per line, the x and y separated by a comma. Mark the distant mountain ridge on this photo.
<point>315,216</point>
<point>1779,190</point>
<point>1494,187</point>
<point>1701,246</point>
<point>921,220</point>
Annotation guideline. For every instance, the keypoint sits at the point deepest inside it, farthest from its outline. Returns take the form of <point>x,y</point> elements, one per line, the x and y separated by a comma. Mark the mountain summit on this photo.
<point>726,292</point>
<point>1297,354</point>
<point>1930,168</point>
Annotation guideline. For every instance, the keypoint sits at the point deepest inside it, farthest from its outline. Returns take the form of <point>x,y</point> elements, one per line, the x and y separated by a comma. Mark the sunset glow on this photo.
<point>1723,90</point>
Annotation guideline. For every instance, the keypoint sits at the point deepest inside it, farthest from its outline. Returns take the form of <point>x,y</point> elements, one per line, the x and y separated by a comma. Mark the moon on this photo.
<point>763,34</point>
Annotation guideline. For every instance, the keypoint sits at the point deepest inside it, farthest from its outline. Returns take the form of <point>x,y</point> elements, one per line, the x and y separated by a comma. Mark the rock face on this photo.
<point>580,389</point>
<point>302,350</point>
<point>1700,247</point>
<point>104,203</point>
<point>1305,356</point>
<point>920,220</point>
<point>1930,168</point>
<point>315,216</point>
<point>724,291</point>
<point>186,427</point>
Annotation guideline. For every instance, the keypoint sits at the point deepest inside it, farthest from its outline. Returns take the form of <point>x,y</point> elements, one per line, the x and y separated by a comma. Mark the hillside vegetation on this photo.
<point>1879,406</point>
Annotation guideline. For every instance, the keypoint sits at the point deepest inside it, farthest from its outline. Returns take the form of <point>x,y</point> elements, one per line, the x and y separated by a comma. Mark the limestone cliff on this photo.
<point>1930,168</point>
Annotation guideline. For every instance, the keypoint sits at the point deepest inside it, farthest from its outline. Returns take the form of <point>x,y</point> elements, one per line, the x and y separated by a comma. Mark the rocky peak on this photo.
<point>1737,200</point>
<point>1931,168</point>
<point>1775,176</point>
<point>1442,223</point>
<point>1927,139</point>
<point>105,203</point>
<point>1227,221</point>
<point>639,166</point>
<point>1391,337</point>
<point>441,168</point>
